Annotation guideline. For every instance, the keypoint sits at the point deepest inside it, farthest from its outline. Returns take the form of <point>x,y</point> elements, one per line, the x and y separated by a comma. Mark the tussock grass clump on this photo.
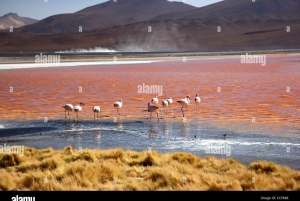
<point>225,186</point>
<point>8,160</point>
<point>113,154</point>
<point>68,150</point>
<point>263,167</point>
<point>145,161</point>
<point>29,151</point>
<point>7,180</point>
<point>27,166</point>
<point>87,156</point>
<point>127,170</point>
<point>164,179</point>
<point>296,177</point>
<point>185,158</point>
<point>50,164</point>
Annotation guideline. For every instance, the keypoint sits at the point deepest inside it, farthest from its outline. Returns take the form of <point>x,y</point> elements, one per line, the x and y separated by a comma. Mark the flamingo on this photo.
<point>184,102</point>
<point>165,105</point>
<point>153,108</point>
<point>78,108</point>
<point>96,109</point>
<point>197,100</point>
<point>68,107</point>
<point>154,100</point>
<point>118,105</point>
<point>170,101</point>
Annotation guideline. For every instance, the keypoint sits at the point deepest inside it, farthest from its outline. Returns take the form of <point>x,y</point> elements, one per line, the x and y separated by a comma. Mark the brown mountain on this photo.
<point>237,8</point>
<point>14,20</point>
<point>106,14</point>
<point>277,28</point>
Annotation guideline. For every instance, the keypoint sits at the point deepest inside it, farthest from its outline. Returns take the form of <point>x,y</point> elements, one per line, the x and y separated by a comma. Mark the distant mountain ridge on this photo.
<point>106,14</point>
<point>230,25</point>
<point>14,20</point>
<point>227,8</point>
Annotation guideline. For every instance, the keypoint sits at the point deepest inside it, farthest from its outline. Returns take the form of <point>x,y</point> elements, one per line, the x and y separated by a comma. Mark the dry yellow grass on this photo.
<point>127,170</point>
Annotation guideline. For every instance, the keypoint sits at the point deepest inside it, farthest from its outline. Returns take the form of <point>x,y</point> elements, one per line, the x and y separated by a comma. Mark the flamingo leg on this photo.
<point>97,116</point>
<point>65,114</point>
<point>186,107</point>
<point>157,116</point>
<point>150,116</point>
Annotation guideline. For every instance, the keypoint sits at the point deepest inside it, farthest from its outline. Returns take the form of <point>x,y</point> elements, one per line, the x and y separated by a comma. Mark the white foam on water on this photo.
<point>96,49</point>
<point>68,64</point>
<point>91,129</point>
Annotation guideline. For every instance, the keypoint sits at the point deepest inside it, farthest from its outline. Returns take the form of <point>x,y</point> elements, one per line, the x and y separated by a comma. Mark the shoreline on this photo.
<point>88,134</point>
<point>82,56</point>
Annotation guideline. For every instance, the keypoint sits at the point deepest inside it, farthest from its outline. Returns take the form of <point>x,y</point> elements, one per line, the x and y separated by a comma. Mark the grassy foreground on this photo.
<point>127,170</point>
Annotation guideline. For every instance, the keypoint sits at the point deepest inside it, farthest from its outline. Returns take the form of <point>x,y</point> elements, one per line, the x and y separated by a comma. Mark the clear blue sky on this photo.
<point>39,9</point>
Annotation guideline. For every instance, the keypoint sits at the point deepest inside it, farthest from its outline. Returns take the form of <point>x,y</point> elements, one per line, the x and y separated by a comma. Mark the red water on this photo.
<point>245,90</point>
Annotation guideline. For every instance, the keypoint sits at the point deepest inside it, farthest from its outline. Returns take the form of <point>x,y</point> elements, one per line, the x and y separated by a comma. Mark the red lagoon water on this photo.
<point>232,93</point>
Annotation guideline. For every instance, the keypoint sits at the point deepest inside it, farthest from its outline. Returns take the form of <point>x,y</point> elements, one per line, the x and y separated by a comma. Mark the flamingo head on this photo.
<point>81,104</point>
